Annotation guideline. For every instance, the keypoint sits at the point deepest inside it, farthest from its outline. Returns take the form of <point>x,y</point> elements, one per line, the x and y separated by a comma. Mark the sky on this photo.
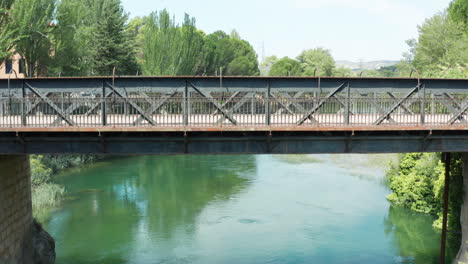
<point>354,30</point>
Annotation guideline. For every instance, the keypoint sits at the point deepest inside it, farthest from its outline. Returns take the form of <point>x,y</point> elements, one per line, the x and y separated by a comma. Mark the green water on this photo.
<point>237,209</point>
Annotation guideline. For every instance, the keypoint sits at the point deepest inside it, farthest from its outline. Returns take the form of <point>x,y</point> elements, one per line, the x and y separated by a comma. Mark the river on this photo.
<point>237,209</point>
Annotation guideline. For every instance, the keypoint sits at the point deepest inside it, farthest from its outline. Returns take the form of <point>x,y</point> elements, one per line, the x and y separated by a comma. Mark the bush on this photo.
<point>417,183</point>
<point>40,174</point>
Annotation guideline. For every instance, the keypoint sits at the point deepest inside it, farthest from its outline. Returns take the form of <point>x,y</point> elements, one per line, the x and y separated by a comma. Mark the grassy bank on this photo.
<point>46,193</point>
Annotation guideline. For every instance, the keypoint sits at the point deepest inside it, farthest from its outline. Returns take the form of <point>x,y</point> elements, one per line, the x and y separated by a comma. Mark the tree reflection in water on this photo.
<point>142,199</point>
<point>415,239</point>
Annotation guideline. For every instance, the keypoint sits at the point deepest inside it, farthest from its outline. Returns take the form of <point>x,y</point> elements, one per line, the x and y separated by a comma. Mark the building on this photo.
<point>14,64</point>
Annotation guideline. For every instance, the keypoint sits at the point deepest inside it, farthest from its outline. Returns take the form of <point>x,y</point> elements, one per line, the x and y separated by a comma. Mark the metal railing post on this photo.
<point>23,104</point>
<point>267,106</point>
<point>423,104</point>
<point>186,105</point>
<point>103,105</point>
<point>347,104</point>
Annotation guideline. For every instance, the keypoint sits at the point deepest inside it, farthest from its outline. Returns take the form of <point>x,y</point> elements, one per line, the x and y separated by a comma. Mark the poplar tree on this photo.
<point>170,49</point>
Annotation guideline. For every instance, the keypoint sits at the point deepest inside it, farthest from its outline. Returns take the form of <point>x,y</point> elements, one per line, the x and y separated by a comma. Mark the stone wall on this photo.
<point>15,210</point>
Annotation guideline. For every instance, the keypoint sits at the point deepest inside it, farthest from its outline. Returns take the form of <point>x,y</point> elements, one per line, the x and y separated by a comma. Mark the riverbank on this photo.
<point>417,183</point>
<point>47,195</point>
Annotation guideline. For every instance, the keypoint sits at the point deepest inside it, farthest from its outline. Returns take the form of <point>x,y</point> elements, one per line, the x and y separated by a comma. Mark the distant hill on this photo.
<point>365,65</point>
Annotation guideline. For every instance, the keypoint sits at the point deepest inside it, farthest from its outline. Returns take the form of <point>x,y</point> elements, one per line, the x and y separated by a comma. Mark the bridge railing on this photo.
<point>247,110</point>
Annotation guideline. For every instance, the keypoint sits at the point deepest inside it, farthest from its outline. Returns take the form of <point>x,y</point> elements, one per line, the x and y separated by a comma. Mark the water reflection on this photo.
<point>414,238</point>
<point>237,209</point>
<point>142,199</point>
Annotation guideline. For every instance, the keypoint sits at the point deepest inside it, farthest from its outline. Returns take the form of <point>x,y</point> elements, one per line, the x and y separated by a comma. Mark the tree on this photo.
<point>265,66</point>
<point>74,51</point>
<point>231,53</point>
<point>441,49</point>
<point>318,61</point>
<point>114,48</point>
<point>170,49</point>
<point>33,21</point>
<point>7,32</point>
<point>458,12</point>
<point>342,72</point>
<point>286,67</point>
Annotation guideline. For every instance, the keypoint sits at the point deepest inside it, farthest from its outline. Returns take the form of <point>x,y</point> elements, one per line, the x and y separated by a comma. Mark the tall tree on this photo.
<point>33,21</point>
<point>317,60</point>
<point>114,48</point>
<point>73,38</point>
<point>286,67</point>
<point>170,49</point>
<point>7,32</point>
<point>441,49</point>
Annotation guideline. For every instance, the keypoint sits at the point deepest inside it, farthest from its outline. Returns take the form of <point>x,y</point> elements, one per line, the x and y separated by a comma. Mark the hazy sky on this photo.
<point>352,29</point>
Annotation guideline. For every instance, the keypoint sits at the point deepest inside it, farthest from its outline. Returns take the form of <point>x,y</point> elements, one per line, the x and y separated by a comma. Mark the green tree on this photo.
<point>114,48</point>
<point>232,54</point>
<point>73,38</point>
<point>317,60</point>
<point>7,32</point>
<point>40,174</point>
<point>441,49</point>
<point>342,72</point>
<point>265,66</point>
<point>170,49</point>
<point>286,67</point>
<point>33,21</point>
<point>458,12</point>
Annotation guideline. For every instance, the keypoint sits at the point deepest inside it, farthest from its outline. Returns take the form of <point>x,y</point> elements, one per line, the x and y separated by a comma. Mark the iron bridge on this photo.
<point>232,115</point>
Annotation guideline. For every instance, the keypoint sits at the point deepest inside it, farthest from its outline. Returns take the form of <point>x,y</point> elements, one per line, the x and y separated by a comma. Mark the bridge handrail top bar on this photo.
<point>232,78</point>
<point>175,129</point>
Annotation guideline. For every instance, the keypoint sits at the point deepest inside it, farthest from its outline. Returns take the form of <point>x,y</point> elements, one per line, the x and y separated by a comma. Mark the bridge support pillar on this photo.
<point>15,210</point>
<point>462,256</point>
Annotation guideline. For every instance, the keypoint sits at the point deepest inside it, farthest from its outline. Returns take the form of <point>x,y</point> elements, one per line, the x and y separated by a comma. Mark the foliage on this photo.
<point>441,49</point>
<point>343,72</point>
<point>265,66</point>
<point>112,43</point>
<point>8,34</point>
<point>317,61</point>
<point>40,174</point>
<point>286,67</point>
<point>417,183</point>
<point>229,53</point>
<point>60,162</point>
<point>458,12</point>
<point>170,49</point>
<point>73,34</point>
<point>455,193</point>
<point>33,21</point>
<point>412,182</point>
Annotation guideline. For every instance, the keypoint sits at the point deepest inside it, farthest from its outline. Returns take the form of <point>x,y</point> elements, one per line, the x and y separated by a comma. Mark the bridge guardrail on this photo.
<point>247,109</point>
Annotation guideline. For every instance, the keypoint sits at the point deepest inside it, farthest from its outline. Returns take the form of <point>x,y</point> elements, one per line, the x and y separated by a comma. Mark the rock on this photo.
<point>43,245</point>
